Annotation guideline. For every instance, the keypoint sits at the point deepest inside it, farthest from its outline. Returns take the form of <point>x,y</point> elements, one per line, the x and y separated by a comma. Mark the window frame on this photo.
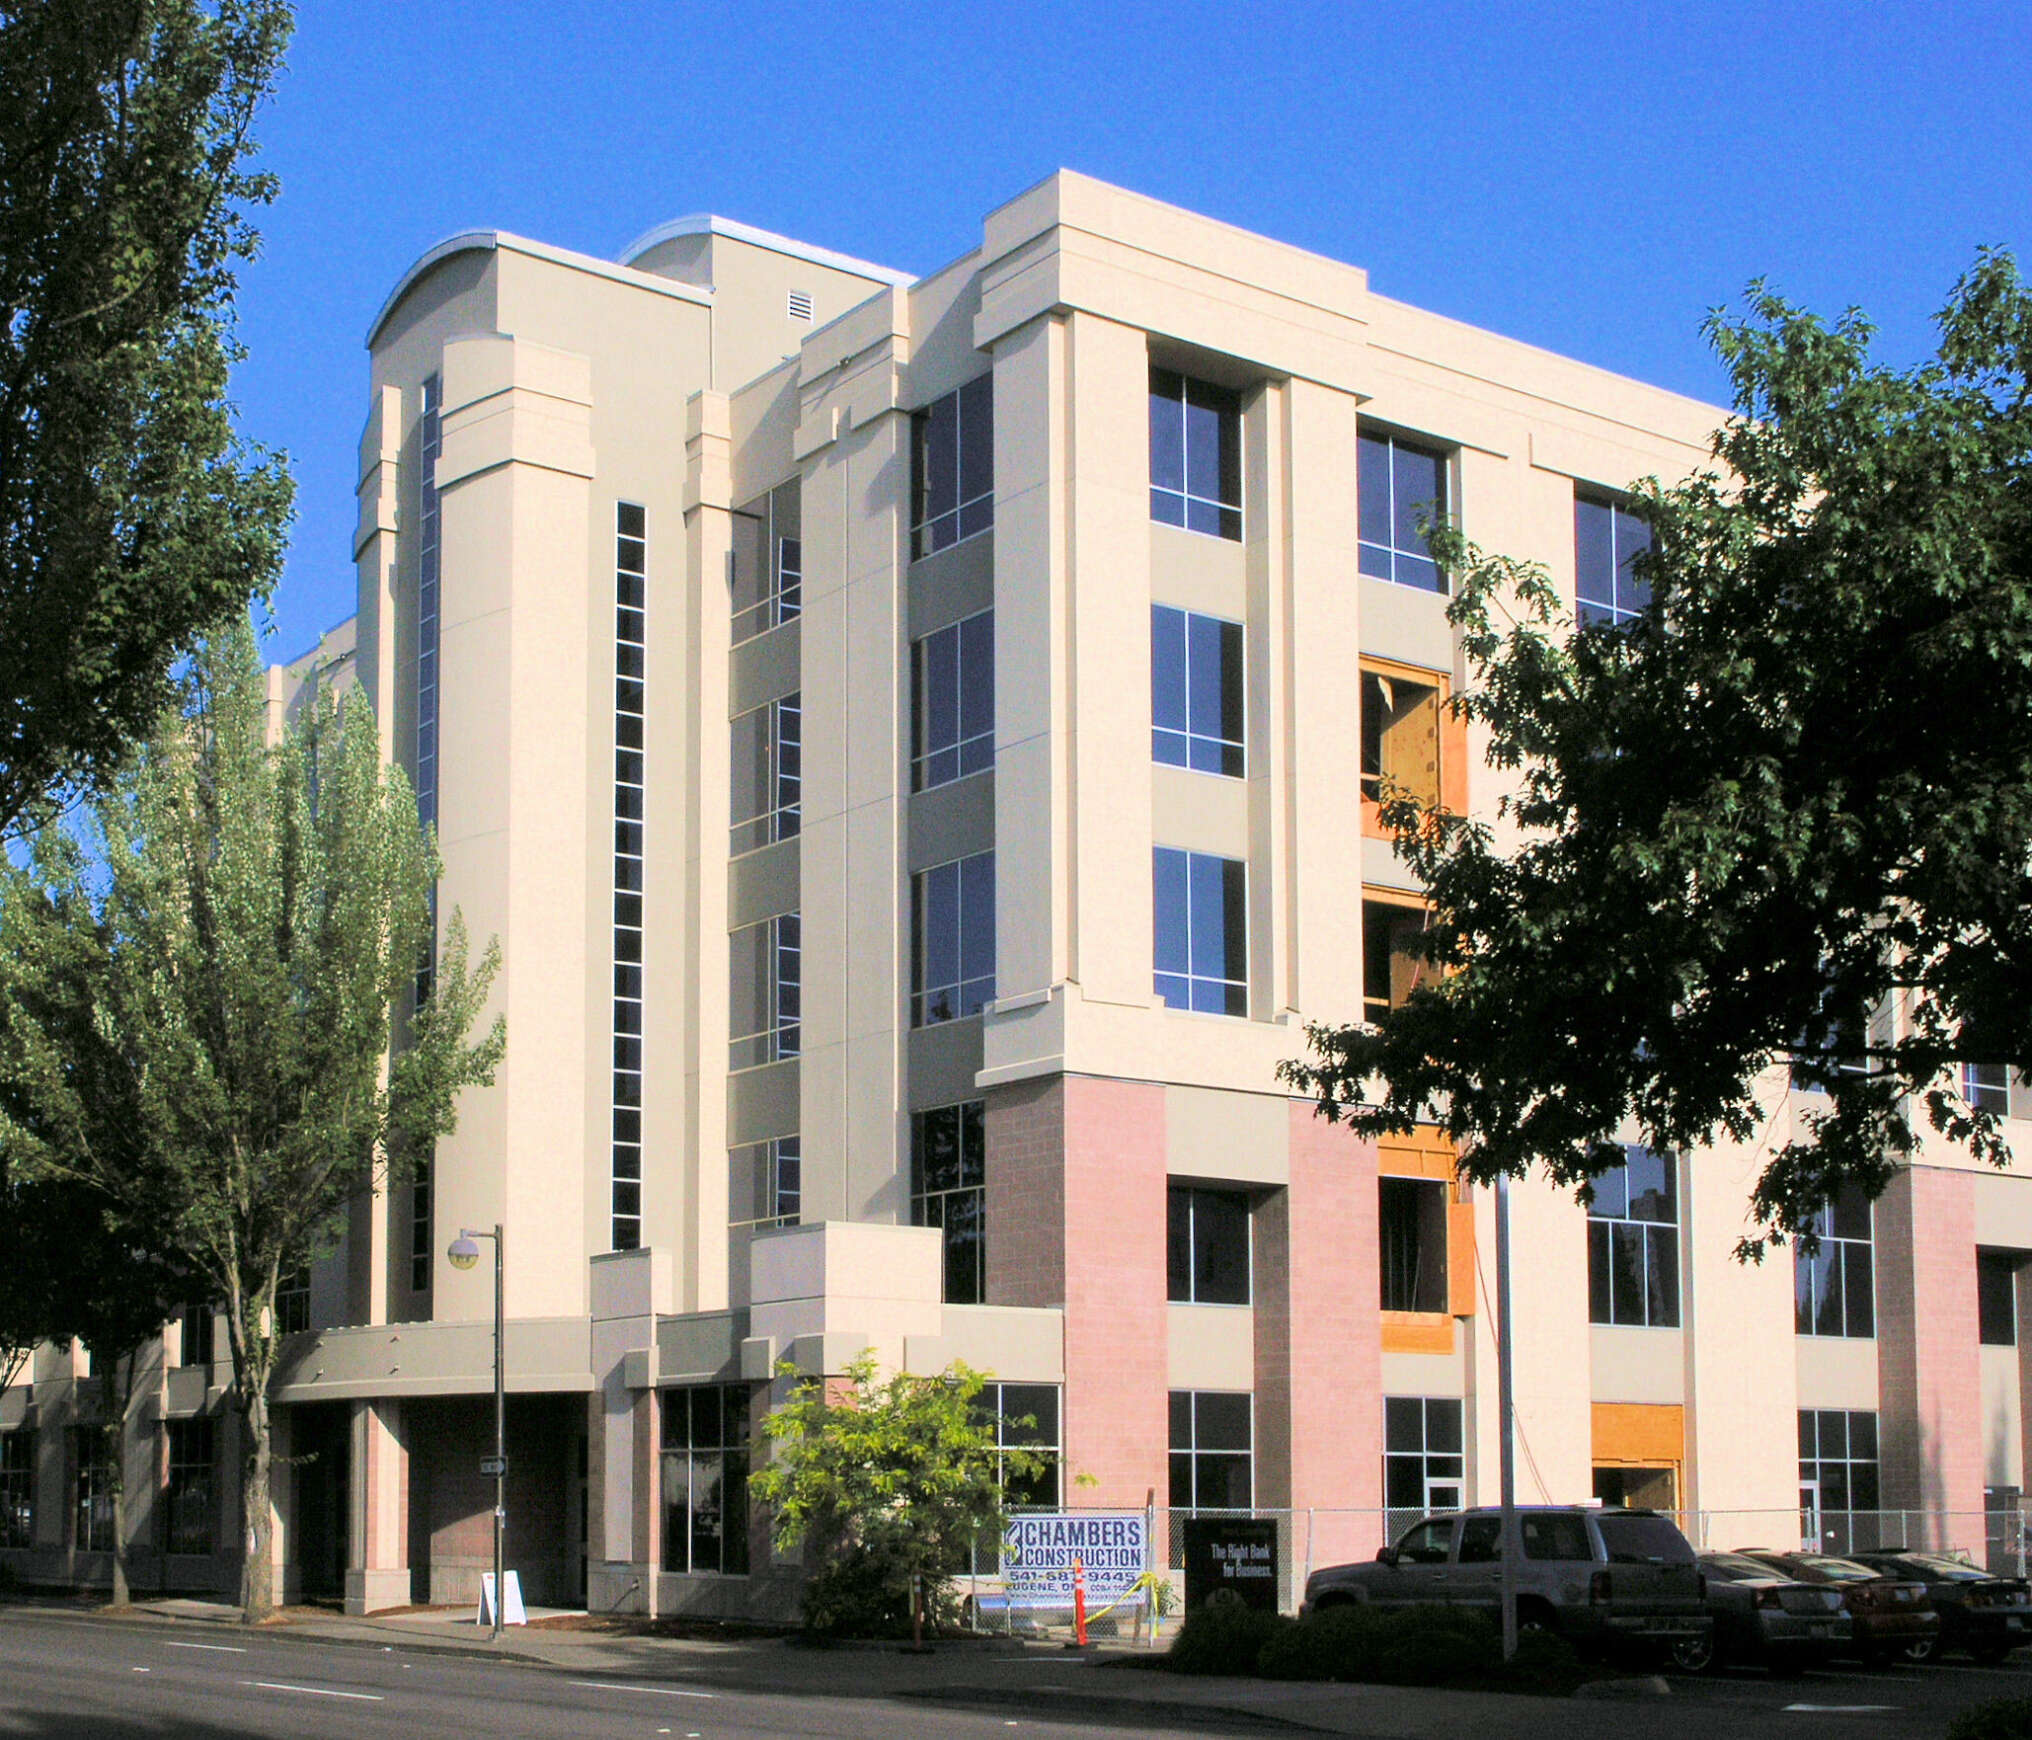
<point>1854,1482</point>
<point>1191,1455</point>
<point>777,773</point>
<point>1986,1087</point>
<point>971,902</point>
<point>17,1487</point>
<point>778,1001</point>
<point>1432,1191</point>
<point>190,1485</point>
<point>969,514</point>
<point>1612,612</point>
<point>1044,1491</point>
<point>1185,1205</point>
<point>734,1464</point>
<point>93,1450</point>
<point>972,670</point>
<point>1179,744</point>
<point>1389,557</point>
<point>957,1209</point>
<point>1173,499</point>
<point>1435,1468</point>
<point>1233,896</point>
<point>1847,1254</point>
<point>1655,1238</point>
<point>1391,906</point>
<point>1997,1319</point>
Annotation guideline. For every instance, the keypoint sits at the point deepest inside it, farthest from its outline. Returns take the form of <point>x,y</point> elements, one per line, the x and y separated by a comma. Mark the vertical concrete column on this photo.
<point>622,1503</point>
<point>377,1502</point>
<point>1319,1363</point>
<point>1117,1345</point>
<point>702,988</point>
<point>1929,1352</point>
<point>375,551</point>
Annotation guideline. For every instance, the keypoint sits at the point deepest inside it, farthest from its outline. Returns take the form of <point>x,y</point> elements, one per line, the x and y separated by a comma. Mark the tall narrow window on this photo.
<point>1201,909</point>
<point>705,1479</point>
<point>1400,491</point>
<point>952,680</point>
<point>768,771</point>
<point>631,644</point>
<point>1195,454</point>
<point>197,1324</point>
<point>1212,1460</point>
<point>1390,970</point>
<point>1196,691</point>
<point>17,1488</point>
<point>768,562</point>
<point>1208,1236</point>
<point>948,1190</point>
<point>953,953</point>
<point>952,451</point>
<point>1025,1417</point>
<point>189,1494</point>
<point>1423,1464</point>
<point>429,602</point>
<point>1633,1243</point>
<point>1834,1286</point>
<point>93,1449</point>
<point>766,987</point>
<point>1987,1087</point>
<point>1997,1298</point>
<point>1838,1484</point>
<point>1607,539</point>
<point>292,1301</point>
<point>1411,1236</point>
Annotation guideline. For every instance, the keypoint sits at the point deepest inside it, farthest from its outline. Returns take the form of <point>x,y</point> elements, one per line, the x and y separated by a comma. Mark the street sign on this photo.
<point>493,1467</point>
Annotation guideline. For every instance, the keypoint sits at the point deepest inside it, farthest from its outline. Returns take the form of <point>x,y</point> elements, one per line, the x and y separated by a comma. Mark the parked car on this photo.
<point>1599,1577</point>
<point>1986,1615</point>
<point>1891,1613</point>
<point>1763,1616</point>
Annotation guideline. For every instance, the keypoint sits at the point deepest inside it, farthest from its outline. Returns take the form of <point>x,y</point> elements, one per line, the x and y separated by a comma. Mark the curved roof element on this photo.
<point>705,223</point>
<point>487,241</point>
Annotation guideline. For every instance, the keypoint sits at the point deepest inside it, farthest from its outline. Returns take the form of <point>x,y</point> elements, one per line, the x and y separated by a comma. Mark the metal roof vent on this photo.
<point>800,305</point>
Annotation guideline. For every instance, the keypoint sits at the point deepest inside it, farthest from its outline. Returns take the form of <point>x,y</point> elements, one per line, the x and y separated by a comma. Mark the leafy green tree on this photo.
<point>1785,815</point>
<point>884,1481</point>
<point>198,999</point>
<point>132,518</point>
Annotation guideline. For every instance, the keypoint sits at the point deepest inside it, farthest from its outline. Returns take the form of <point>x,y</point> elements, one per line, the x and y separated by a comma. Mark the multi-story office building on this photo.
<point>916,743</point>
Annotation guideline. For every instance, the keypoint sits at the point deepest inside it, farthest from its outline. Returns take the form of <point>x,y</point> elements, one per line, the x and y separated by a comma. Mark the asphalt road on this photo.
<point>72,1679</point>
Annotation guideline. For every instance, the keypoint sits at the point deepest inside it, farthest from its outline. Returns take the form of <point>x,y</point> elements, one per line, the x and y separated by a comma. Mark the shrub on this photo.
<point>1223,1637</point>
<point>1999,1719</point>
<point>1400,1646</point>
<point>1544,1662</point>
<point>860,1592</point>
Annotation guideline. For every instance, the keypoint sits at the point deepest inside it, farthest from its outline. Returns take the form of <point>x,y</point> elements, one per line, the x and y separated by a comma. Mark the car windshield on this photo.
<point>1642,1540</point>
<point>1734,1568</point>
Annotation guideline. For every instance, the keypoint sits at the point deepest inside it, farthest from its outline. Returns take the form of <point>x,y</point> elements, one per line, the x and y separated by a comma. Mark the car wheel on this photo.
<point>1920,1650</point>
<point>1694,1655</point>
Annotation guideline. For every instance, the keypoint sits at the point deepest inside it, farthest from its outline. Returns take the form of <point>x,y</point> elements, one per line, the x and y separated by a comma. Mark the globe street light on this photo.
<point>463,1254</point>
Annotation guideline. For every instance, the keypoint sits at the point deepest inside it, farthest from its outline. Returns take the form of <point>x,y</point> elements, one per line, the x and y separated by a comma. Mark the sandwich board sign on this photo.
<point>512,1611</point>
<point>1112,1549</point>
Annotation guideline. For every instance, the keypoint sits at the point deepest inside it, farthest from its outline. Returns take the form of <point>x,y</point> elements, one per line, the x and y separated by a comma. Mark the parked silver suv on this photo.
<point>1595,1576</point>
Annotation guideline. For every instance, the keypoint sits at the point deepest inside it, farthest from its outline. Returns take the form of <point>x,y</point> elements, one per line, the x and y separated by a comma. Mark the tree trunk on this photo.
<point>121,1383</point>
<point>257,1572</point>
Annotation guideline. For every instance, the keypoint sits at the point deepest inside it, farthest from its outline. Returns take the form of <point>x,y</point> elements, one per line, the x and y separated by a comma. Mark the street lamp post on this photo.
<point>464,1253</point>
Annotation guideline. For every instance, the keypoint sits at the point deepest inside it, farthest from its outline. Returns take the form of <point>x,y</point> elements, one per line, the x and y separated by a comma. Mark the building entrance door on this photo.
<point>1810,1535</point>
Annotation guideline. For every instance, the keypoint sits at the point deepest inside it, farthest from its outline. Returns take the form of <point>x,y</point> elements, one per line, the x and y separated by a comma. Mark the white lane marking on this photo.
<point>660,1691</point>
<point>316,1691</point>
<point>1840,1709</point>
<point>222,1648</point>
<point>139,1670</point>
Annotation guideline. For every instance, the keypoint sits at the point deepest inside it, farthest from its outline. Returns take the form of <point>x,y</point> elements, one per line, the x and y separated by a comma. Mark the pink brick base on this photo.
<point>1929,1369</point>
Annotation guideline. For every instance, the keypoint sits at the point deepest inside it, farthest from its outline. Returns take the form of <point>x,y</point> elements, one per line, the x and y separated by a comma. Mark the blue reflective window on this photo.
<point>1195,454</point>
<point>953,684</point>
<point>1196,691</point>
<point>1201,946</point>
<point>952,449</point>
<point>1396,486</point>
<point>1606,542</point>
<point>953,954</point>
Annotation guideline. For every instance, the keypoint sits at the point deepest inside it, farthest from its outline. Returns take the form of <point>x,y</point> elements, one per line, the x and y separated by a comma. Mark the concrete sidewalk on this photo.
<point>1106,1688</point>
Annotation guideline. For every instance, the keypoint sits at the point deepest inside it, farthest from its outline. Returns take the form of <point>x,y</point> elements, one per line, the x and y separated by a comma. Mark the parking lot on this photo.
<point>1844,1697</point>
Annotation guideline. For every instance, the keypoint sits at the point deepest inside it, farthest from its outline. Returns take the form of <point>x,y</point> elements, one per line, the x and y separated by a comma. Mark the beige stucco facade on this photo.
<point>728,384</point>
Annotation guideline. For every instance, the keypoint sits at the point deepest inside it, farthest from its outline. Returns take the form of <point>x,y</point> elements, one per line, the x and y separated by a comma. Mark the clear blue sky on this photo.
<point>1589,177</point>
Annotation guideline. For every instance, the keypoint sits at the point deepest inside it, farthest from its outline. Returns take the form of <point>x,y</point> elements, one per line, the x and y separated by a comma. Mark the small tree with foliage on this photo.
<point>885,1482</point>
<point>198,999</point>
<point>1794,791</point>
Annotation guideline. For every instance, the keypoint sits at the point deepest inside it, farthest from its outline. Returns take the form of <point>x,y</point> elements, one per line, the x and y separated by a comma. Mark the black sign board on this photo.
<point>1235,1555</point>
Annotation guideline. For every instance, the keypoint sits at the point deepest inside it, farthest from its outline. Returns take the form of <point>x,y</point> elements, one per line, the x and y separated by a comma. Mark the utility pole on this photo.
<point>1506,1408</point>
